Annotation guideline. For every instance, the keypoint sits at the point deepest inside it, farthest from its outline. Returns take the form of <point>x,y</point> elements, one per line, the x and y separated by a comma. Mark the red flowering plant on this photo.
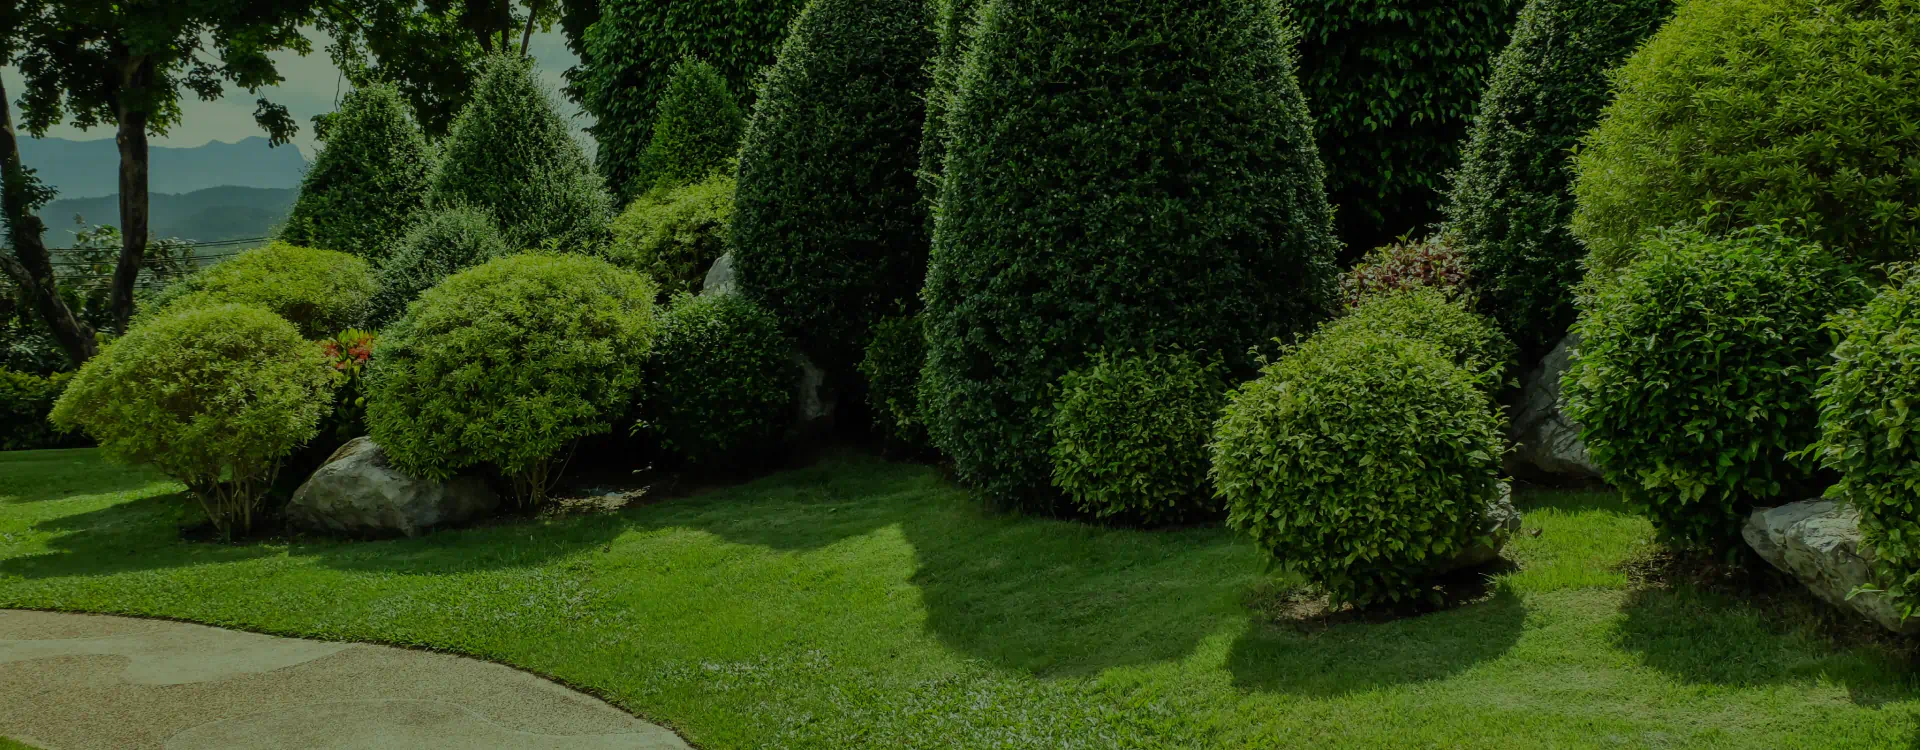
<point>1431,262</point>
<point>348,353</point>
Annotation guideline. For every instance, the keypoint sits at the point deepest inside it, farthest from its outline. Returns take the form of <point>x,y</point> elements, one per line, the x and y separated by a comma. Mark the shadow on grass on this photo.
<point>41,476</point>
<point>1356,655</point>
<point>137,535</point>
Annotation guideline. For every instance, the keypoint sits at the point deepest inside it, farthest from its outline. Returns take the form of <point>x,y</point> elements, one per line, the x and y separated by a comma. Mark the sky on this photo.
<point>311,87</point>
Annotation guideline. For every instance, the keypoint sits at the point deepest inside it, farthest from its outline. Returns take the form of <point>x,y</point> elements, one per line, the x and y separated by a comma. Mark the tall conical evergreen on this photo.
<point>829,232</point>
<point>697,132</point>
<point>954,28</point>
<point>1121,175</point>
<point>368,181</point>
<point>1512,199</point>
<point>511,154</point>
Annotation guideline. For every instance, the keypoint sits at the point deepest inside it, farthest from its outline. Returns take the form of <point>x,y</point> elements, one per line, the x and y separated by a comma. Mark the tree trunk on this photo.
<point>30,266</point>
<point>132,140</point>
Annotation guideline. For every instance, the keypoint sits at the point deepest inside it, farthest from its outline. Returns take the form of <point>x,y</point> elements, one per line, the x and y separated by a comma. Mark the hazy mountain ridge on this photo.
<point>210,215</point>
<point>91,169</point>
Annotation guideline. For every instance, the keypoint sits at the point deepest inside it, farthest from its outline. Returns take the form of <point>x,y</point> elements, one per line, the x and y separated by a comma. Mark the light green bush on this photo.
<point>439,244</point>
<point>674,235</point>
<point>1130,437</point>
<point>368,181</point>
<point>1427,314</point>
<point>697,133</point>
<point>319,291</point>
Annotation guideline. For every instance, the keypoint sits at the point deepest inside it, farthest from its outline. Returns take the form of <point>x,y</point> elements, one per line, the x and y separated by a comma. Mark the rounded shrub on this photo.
<point>1751,112</point>
<point>1513,198</point>
<point>213,396</point>
<point>1393,85</point>
<point>828,233</point>
<point>25,401</point>
<point>675,235</point>
<point>1130,437</point>
<point>895,355</point>
<point>630,57</point>
<point>1429,315</point>
<point>1122,175</point>
<point>1435,262</point>
<point>1361,460</point>
<point>1694,383</point>
<point>697,133</point>
<point>720,383</point>
<point>1866,435</point>
<point>368,180</point>
<point>511,154</point>
<point>441,243</point>
<point>319,291</point>
<point>506,364</point>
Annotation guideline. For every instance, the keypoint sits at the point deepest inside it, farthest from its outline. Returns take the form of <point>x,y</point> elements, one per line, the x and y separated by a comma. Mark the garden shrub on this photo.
<point>954,25</point>
<point>895,355</point>
<point>1130,437</point>
<point>1512,199</point>
<point>632,51</point>
<point>1435,262</point>
<point>1393,85</point>
<point>1122,175</point>
<point>1361,460</point>
<point>1695,379</point>
<point>697,133</point>
<point>506,364</point>
<point>1753,112</point>
<point>1866,435</point>
<point>441,243</point>
<point>720,383</point>
<point>368,180</point>
<point>25,401</point>
<point>213,396</point>
<point>511,154</point>
<point>1428,314</point>
<point>675,235</point>
<point>319,291</point>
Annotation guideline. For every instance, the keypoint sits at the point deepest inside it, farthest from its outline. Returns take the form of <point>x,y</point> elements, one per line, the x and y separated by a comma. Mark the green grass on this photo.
<point>865,604</point>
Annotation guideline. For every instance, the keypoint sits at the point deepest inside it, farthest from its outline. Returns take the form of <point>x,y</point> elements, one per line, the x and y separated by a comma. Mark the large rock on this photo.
<point>1498,526</point>
<point>814,396</point>
<point>1546,443</point>
<point>358,492</point>
<point>1818,542</point>
<point>719,278</point>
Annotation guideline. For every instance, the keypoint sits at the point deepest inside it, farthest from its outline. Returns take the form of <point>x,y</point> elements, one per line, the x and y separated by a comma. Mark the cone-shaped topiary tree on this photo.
<point>1122,174</point>
<point>829,233</point>
<point>697,132</point>
<point>367,182</point>
<point>510,153</point>
<point>1512,197</point>
<point>953,27</point>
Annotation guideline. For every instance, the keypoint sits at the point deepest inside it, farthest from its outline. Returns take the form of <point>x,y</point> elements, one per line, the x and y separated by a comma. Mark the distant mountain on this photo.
<point>211,215</point>
<point>90,169</point>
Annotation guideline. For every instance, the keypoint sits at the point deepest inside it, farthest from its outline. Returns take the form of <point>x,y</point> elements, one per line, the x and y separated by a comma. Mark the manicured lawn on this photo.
<point>865,604</point>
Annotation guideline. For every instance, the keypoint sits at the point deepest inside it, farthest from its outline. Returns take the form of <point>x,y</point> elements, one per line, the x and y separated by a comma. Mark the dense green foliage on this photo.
<point>1393,85</point>
<point>895,355</point>
<point>319,291</point>
<point>1867,432</point>
<point>1752,112</point>
<point>696,134</point>
<point>440,243</point>
<point>213,396</point>
<point>720,383</point>
<point>368,181</point>
<point>1122,175</point>
<point>1695,379</point>
<point>506,364</point>
<point>1430,315</point>
<point>25,401</point>
<point>631,53</point>
<point>1434,262</point>
<point>953,31</point>
<point>1512,198</point>
<point>828,232</point>
<point>674,235</point>
<point>1360,460</point>
<point>512,154</point>
<point>1130,437</point>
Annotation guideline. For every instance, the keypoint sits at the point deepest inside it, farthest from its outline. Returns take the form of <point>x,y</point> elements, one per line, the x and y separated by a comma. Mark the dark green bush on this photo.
<point>720,383</point>
<point>828,233</point>
<point>895,355</point>
<point>506,364</point>
<point>1429,315</point>
<point>675,235</point>
<point>25,401</point>
<point>1752,112</point>
<point>1512,198</point>
<point>319,291</point>
<point>631,53</point>
<point>1695,379</point>
<point>1122,175</point>
<point>213,396</point>
<point>1434,262</point>
<point>511,154</point>
<point>1361,460</point>
<point>1866,434</point>
<point>697,133</point>
<point>1393,85</point>
<point>439,244</point>
<point>954,26</point>
<point>1130,437</point>
<point>368,181</point>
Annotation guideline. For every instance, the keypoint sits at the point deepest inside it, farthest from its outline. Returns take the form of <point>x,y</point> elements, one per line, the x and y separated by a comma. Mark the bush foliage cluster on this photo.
<point>720,382</point>
<point>368,180</point>
<point>697,133</point>
<point>675,234</point>
<point>1434,262</point>
<point>319,291</point>
<point>894,358</point>
<point>441,243</point>
<point>25,401</point>
<point>1130,437</point>
<point>1429,315</point>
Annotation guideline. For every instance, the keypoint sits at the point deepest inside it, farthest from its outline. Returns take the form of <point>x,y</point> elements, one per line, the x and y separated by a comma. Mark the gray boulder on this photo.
<point>1546,443</point>
<point>719,278</point>
<point>357,491</point>
<point>1818,542</point>
<point>1498,526</point>
<point>814,397</point>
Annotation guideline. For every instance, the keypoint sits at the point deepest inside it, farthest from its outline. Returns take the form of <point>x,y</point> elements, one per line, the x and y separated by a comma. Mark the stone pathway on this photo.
<point>88,681</point>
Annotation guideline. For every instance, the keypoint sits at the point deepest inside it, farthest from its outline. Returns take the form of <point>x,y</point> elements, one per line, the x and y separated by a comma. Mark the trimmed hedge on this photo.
<point>1512,198</point>
<point>1393,85</point>
<point>1751,112</point>
<point>697,133</point>
<point>954,28</point>
<point>25,401</point>
<point>441,243</point>
<point>1429,315</point>
<point>1695,380</point>
<point>1123,175</point>
<point>319,291</point>
<point>368,181</point>
<point>895,356</point>
<point>828,233</point>
<point>720,384</point>
<point>1130,437</point>
<point>675,235</point>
